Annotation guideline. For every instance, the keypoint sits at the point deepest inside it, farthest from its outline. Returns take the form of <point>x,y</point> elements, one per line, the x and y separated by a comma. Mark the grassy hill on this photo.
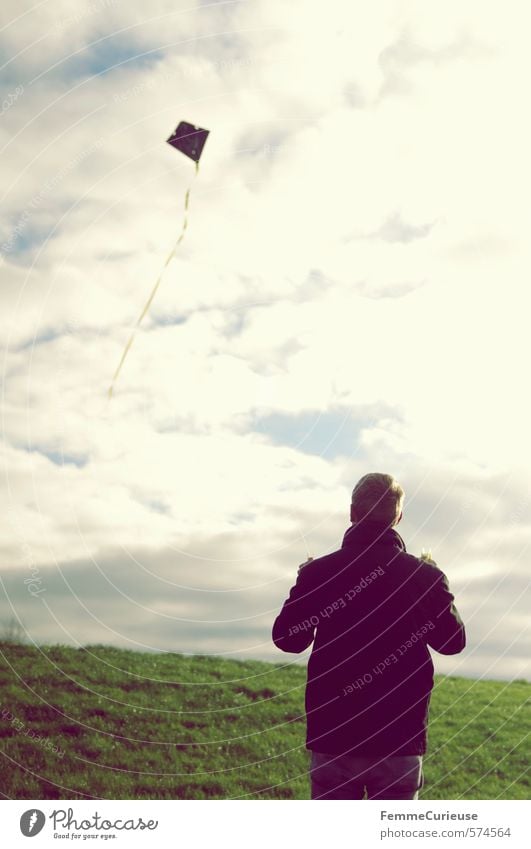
<point>167,726</point>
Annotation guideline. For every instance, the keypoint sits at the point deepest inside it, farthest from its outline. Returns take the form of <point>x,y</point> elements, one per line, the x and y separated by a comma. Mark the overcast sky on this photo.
<point>352,295</point>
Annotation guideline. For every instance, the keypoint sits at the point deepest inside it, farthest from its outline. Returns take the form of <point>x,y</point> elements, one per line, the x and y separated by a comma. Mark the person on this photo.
<point>372,610</point>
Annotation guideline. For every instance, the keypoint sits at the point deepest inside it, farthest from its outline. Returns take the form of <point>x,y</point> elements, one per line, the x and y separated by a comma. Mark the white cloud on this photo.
<point>357,240</point>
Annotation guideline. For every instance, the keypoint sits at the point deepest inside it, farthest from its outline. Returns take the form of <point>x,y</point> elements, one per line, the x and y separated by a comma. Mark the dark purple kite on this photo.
<point>189,140</point>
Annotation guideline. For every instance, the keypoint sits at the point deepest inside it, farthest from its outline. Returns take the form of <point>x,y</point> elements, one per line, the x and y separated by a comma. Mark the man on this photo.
<point>371,611</point>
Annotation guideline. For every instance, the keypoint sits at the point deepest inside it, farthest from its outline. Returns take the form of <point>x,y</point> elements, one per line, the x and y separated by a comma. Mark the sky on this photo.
<point>351,296</point>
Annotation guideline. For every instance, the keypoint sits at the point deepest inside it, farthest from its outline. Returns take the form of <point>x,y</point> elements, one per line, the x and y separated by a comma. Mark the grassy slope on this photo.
<point>169,726</point>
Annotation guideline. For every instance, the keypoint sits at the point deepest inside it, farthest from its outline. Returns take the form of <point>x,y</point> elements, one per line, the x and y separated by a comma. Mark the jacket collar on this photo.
<point>364,532</point>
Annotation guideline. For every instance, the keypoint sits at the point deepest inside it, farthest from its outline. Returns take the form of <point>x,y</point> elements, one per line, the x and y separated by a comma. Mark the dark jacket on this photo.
<point>371,610</point>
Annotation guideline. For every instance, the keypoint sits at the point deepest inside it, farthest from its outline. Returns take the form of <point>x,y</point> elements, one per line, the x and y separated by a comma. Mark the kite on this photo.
<point>190,140</point>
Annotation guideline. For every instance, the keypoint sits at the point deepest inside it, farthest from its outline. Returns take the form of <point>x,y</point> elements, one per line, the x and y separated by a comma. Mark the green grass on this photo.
<point>169,726</point>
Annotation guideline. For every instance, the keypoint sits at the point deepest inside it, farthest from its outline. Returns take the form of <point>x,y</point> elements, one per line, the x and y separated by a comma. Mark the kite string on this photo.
<point>156,286</point>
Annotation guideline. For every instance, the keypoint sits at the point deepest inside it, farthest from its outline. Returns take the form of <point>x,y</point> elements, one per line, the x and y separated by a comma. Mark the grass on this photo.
<point>132,725</point>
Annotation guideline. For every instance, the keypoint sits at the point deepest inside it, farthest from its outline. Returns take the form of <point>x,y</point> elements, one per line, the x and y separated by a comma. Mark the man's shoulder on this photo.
<point>324,562</point>
<point>423,573</point>
<point>427,570</point>
<point>324,567</point>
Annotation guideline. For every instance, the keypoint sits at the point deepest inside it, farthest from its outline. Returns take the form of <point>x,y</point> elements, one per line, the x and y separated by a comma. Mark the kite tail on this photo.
<point>155,287</point>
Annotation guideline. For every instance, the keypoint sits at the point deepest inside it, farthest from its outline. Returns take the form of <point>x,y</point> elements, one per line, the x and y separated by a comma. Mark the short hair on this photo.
<point>378,497</point>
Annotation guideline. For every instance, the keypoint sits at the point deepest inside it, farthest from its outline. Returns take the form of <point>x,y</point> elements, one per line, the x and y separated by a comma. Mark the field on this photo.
<point>101,722</point>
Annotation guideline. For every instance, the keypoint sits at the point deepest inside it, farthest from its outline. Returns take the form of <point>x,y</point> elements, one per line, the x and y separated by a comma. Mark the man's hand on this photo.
<point>304,564</point>
<point>426,556</point>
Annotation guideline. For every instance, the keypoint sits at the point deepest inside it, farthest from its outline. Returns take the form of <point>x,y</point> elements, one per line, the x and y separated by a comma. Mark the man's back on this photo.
<point>372,610</point>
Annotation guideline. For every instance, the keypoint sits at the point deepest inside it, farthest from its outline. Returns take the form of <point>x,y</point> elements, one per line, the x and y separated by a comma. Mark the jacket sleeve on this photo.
<point>293,630</point>
<point>448,634</point>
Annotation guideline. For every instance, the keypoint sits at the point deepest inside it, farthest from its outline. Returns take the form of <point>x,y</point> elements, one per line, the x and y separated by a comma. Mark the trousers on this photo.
<point>351,776</point>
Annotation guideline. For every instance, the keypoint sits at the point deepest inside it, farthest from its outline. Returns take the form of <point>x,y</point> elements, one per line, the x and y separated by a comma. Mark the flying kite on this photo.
<point>190,140</point>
